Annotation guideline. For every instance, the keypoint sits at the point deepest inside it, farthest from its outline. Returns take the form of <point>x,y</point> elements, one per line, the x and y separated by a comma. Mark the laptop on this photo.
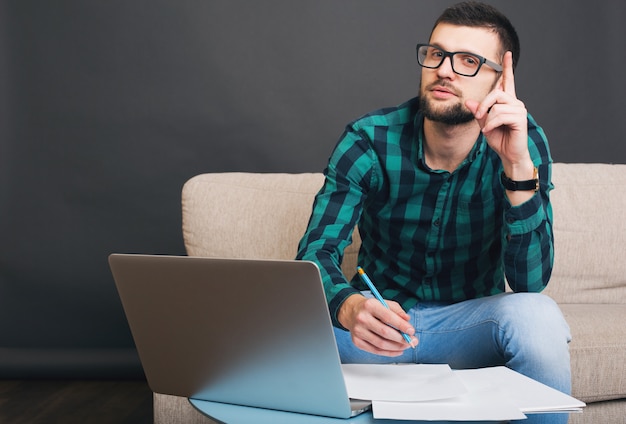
<point>255,333</point>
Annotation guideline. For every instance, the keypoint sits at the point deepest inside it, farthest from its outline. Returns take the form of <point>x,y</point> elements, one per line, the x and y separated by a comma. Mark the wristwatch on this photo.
<point>527,185</point>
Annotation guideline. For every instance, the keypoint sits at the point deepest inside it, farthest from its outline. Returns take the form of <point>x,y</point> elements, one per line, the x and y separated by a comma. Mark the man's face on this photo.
<point>442,92</point>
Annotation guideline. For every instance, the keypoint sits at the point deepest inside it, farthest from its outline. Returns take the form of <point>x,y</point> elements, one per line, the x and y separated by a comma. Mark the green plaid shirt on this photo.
<point>426,235</point>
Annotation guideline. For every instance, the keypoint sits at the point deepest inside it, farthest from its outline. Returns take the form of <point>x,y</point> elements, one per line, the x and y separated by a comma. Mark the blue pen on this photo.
<point>372,288</point>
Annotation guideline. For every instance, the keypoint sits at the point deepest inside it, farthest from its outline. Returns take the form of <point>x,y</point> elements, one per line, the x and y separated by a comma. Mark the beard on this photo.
<point>449,115</point>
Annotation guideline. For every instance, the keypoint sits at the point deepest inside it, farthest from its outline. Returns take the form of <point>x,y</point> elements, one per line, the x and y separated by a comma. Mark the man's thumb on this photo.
<point>472,105</point>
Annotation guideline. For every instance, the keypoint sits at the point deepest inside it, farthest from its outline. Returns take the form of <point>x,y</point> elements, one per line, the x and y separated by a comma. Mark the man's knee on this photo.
<point>535,339</point>
<point>532,314</point>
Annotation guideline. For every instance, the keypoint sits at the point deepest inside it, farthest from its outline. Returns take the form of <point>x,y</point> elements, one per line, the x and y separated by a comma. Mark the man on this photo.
<point>450,192</point>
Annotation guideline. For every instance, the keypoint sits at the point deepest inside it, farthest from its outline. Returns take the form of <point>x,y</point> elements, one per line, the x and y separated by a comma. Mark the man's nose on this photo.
<point>445,69</point>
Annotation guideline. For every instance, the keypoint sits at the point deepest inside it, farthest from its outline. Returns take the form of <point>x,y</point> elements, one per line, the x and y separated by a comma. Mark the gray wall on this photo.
<point>108,107</point>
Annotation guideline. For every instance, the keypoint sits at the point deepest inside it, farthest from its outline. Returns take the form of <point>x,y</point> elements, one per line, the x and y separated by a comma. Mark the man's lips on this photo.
<point>441,91</point>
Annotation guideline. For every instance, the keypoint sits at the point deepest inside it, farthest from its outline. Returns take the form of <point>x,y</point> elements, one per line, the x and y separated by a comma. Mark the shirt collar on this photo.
<point>479,146</point>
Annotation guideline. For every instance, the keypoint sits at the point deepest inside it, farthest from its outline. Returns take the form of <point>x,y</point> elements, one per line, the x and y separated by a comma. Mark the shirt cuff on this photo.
<point>526,217</point>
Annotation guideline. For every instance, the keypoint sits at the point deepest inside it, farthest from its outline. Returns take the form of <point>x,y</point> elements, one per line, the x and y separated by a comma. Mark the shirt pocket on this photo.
<point>476,221</point>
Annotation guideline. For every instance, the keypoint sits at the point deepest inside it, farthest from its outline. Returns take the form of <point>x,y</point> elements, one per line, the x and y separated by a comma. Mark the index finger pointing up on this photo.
<point>508,80</point>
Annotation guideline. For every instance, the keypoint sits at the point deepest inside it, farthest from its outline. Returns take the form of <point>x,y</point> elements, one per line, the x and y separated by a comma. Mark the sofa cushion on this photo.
<point>170,409</point>
<point>597,350</point>
<point>589,204</point>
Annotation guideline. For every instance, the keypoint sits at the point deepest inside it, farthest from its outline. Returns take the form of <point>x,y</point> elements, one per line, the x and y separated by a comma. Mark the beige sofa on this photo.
<point>244,215</point>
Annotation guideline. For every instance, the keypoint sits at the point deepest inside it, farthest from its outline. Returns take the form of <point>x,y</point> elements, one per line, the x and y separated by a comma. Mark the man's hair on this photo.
<point>474,14</point>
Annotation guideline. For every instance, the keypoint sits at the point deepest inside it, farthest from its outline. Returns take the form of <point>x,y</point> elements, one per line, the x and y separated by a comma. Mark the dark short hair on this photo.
<point>475,14</point>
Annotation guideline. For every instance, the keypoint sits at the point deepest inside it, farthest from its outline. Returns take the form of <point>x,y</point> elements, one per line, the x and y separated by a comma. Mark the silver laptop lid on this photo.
<point>246,332</point>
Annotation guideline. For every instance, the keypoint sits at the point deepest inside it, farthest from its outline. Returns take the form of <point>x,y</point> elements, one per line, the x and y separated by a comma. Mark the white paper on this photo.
<point>401,382</point>
<point>528,395</point>
<point>474,406</point>
<point>436,393</point>
<point>427,392</point>
<point>485,401</point>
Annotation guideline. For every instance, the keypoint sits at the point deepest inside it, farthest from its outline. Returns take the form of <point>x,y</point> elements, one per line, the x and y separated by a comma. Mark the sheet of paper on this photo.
<point>436,393</point>
<point>426,392</point>
<point>401,382</point>
<point>527,394</point>
<point>474,406</point>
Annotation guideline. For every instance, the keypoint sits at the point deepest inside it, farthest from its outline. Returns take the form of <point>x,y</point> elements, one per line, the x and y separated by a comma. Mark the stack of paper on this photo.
<point>435,392</point>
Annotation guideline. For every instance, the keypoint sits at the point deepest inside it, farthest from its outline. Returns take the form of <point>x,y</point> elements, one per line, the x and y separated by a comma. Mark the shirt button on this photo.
<point>428,281</point>
<point>437,222</point>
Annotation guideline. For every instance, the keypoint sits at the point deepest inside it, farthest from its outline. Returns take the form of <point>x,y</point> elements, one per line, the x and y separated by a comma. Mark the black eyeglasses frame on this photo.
<point>481,60</point>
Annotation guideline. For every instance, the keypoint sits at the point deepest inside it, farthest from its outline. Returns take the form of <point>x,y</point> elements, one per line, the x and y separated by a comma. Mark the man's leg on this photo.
<point>524,331</point>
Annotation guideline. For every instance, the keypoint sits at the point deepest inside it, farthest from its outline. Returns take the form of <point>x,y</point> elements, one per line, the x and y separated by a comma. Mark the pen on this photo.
<point>376,294</point>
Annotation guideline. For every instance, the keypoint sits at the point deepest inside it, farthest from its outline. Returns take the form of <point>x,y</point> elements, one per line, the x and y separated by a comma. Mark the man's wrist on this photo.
<point>347,309</point>
<point>521,185</point>
<point>521,171</point>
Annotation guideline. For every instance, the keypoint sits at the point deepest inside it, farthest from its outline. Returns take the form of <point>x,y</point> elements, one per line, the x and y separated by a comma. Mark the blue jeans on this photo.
<point>524,331</point>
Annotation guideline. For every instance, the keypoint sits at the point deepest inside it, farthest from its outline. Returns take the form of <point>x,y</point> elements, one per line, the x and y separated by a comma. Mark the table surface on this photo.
<point>235,414</point>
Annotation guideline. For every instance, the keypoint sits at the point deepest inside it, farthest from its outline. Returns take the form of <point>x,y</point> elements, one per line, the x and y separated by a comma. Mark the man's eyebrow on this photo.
<point>439,46</point>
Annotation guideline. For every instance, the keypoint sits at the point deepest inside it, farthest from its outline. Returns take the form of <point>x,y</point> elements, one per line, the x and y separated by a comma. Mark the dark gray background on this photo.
<point>108,107</point>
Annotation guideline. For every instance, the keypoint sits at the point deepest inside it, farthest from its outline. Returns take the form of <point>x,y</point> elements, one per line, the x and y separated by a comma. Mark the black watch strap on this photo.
<point>527,185</point>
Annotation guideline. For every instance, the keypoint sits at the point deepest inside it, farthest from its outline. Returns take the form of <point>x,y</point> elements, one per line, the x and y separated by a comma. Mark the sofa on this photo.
<point>247,215</point>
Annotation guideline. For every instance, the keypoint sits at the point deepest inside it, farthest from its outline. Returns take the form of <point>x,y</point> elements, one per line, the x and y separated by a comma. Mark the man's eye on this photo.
<point>470,60</point>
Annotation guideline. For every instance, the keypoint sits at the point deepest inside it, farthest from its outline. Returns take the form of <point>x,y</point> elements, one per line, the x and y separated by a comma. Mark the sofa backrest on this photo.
<point>589,204</point>
<point>248,215</point>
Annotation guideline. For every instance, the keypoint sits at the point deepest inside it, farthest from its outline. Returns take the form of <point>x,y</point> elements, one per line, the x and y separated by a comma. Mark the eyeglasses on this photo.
<point>463,63</point>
